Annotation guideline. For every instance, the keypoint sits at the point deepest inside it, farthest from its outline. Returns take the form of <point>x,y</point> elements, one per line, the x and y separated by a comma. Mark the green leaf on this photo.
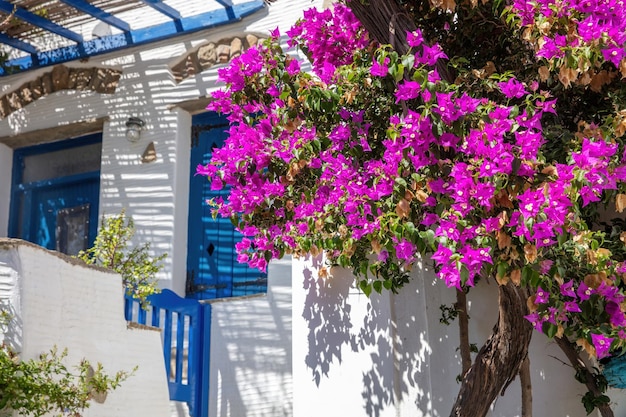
<point>366,287</point>
<point>550,329</point>
<point>502,269</point>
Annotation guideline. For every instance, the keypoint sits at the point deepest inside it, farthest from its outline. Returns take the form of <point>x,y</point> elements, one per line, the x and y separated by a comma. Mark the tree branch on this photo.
<point>527,388</point>
<point>580,366</point>
<point>464,343</point>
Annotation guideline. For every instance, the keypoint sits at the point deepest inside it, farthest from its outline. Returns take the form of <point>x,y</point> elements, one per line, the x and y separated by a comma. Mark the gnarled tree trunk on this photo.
<point>500,359</point>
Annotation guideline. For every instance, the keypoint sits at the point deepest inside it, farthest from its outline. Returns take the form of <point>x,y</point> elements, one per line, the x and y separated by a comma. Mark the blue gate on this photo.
<point>186,334</point>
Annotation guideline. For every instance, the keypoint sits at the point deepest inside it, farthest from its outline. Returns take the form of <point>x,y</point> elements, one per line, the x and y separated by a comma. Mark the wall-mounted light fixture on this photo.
<point>134,126</point>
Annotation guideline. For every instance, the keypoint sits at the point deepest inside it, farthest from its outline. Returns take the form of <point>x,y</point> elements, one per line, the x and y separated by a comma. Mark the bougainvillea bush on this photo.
<point>496,148</point>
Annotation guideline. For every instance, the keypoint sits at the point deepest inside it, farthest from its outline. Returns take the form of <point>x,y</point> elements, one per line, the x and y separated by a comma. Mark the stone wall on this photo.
<point>208,54</point>
<point>61,77</point>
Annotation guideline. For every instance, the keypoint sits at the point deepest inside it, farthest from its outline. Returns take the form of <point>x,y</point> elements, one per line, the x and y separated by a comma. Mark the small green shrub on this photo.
<point>45,385</point>
<point>112,250</point>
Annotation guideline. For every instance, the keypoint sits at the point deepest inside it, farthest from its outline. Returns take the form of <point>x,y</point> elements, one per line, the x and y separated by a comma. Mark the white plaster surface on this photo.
<point>251,351</point>
<point>390,356</point>
<point>6,165</point>
<point>64,304</point>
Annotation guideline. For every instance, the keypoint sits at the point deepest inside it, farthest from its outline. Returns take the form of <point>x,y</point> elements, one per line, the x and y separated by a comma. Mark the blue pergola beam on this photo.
<point>98,13</point>
<point>163,8</point>
<point>136,37</point>
<point>228,6</point>
<point>18,44</point>
<point>39,21</point>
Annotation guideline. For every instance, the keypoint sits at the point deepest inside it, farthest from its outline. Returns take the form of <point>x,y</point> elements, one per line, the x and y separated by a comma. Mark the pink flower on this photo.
<point>405,250</point>
<point>541,296</point>
<point>407,90</point>
<point>293,67</point>
<point>512,88</point>
<point>602,344</point>
<point>584,291</point>
<point>614,55</point>
<point>378,69</point>
<point>567,289</point>
<point>430,55</point>
<point>572,307</point>
<point>414,38</point>
<point>615,314</point>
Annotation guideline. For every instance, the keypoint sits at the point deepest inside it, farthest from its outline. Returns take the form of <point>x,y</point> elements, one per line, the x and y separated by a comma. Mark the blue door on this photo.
<point>55,194</point>
<point>212,267</point>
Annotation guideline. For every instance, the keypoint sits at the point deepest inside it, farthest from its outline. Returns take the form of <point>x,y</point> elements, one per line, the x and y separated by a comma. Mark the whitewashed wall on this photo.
<point>155,194</point>
<point>251,351</point>
<point>6,164</point>
<point>59,302</point>
<point>390,356</point>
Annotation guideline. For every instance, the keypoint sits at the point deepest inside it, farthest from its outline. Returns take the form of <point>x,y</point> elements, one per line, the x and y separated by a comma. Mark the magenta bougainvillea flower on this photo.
<point>374,158</point>
<point>602,344</point>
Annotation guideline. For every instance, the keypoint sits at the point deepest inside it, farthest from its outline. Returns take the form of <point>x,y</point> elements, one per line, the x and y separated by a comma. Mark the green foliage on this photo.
<point>591,401</point>
<point>112,250</point>
<point>448,314</point>
<point>45,385</point>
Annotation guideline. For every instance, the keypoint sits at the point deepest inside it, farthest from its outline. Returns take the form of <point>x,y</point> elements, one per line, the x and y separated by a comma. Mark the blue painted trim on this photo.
<point>54,182</point>
<point>228,6</point>
<point>17,187</point>
<point>205,363</point>
<point>17,44</point>
<point>128,308</point>
<point>161,7</point>
<point>136,37</point>
<point>39,21</point>
<point>98,13</point>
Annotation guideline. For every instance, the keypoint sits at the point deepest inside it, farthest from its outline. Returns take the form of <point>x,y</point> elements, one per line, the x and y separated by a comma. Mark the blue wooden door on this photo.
<point>55,195</point>
<point>212,267</point>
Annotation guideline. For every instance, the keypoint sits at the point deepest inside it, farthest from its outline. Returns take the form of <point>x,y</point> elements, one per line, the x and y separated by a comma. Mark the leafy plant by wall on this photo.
<point>46,385</point>
<point>113,250</point>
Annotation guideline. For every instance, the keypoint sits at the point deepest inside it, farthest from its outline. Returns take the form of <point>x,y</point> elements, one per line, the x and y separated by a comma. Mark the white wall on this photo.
<point>251,351</point>
<point>390,356</point>
<point>59,302</point>
<point>6,164</point>
<point>155,194</point>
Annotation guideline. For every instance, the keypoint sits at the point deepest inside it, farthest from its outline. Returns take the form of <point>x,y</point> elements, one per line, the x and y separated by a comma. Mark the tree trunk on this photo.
<point>387,23</point>
<point>500,359</point>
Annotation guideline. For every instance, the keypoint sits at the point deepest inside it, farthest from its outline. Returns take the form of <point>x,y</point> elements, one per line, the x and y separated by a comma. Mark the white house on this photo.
<point>106,111</point>
<point>65,156</point>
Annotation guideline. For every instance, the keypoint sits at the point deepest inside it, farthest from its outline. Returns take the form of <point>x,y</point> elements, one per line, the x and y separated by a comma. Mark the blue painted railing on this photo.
<point>186,333</point>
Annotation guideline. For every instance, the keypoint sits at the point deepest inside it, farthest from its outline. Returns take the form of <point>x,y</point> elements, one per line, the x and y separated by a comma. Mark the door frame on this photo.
<point>200,123</point>
<point>21,221</point>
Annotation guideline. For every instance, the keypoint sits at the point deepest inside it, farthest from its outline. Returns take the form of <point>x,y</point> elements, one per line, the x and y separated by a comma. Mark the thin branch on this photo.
<point>461,308</point>
<point>527,388</point>
<point>579,365</point>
